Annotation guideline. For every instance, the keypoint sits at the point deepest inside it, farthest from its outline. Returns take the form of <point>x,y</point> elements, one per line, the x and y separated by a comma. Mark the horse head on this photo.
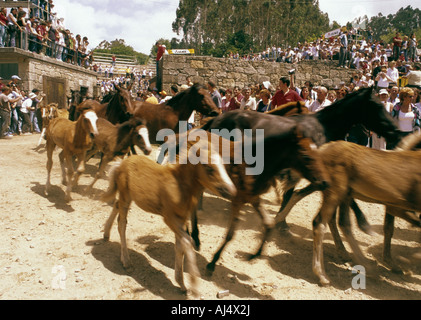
<point>201,100</point>
<point>87,121</point>
<point>141,136</point>
<point>375,117</point>
<point>120,105</point>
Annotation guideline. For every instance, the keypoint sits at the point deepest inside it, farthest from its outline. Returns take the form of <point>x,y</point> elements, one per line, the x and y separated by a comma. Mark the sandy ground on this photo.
<point>54,250</point>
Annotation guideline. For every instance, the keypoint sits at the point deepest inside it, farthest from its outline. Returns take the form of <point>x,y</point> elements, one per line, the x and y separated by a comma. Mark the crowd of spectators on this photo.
<point>40,30</point>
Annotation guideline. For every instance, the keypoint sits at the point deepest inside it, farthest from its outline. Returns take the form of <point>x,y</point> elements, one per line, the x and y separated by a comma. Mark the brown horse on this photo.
<point>392,178</point>
<point>117,110</point>
<point>171,191</point>
<point>74,138</point>
<point>116,140</point>
<point>168,115</point>
<point>48,113</point>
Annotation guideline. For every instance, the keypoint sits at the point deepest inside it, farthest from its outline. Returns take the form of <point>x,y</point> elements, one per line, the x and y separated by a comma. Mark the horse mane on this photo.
<point>284,110</point>
<point>175,101</point>
<point>411,142</point>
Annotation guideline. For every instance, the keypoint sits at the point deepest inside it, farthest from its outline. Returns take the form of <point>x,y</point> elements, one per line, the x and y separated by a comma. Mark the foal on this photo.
<point>369,175</point>
<point>74,138</point>
<point>48,113</point>
<point>171,191</point>
<point>117,140</point>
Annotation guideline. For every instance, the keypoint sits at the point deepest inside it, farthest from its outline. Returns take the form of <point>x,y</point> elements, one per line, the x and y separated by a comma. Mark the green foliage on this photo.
<point>118,46</point>
<point>218,27</point>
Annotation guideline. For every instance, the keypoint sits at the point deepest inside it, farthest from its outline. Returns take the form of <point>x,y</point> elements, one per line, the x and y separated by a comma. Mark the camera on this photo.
<point>292,71</point>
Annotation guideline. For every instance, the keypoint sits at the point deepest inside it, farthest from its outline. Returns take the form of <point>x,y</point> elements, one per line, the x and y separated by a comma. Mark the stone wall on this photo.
<point>227,73</point>
<point>34,69</point>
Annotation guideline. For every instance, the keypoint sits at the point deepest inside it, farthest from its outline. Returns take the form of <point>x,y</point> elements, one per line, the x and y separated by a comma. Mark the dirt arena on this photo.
<point>54,250</point>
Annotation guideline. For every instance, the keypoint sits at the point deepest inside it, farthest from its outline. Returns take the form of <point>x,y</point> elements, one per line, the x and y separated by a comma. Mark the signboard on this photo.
<point>333,33</point>
<point>181,51</point>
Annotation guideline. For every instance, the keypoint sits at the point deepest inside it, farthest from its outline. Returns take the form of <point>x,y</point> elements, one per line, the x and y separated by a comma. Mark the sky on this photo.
<point>142,22</point>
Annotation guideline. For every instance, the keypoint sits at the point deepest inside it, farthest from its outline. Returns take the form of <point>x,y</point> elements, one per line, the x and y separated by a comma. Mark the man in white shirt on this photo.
<point>248,102</point>
<point>321,102</point>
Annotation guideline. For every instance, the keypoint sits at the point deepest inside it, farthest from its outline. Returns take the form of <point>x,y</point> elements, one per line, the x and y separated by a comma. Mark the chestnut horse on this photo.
<point>74,138</point>
<point>171,191</point>
<point>179,108</point>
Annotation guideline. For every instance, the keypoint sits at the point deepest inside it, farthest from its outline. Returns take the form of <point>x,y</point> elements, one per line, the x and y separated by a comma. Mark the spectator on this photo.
<point>383,79</point>
<point>159,54</point>
<point>412,47</point>
<point>306,96</point>
<point>414,77</point>
<point>12,27</point>
<point>164,97</point>
<point>248,102</point>
<point>393,73</point>
<point>394,94</point>
<point>331,96</point>
<point>25,110</point>
<point>284,94</point>
<point>406,114</point>
<point>236,99</point>
<point>264,103</point>
<point>5,109</point>
<point>42,37</point>
<point>21,35</point>
<point>343,40</point>
<point>378,142</point>
<point>321,102</point>
<point>3,27</point>
<point>397,44</point>
<point>225,102</point>
<point>215,95</point>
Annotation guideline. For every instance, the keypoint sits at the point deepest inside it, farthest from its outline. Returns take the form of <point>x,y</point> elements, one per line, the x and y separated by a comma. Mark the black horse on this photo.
<point>331,123</point>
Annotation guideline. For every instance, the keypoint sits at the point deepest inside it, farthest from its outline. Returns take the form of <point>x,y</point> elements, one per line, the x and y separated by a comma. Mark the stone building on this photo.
<point>54,78</point>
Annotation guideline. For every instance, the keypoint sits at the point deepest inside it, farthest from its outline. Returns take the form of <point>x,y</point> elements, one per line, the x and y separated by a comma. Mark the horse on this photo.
<point>369,175</point>
<point>74,138</point>
<point>179,108</point>
<point>75,99</point>
<point>117,109</point>
<point>116,140</point>
<point>170,191</point>
<point>48,113</point>
<point>334,122</point>
<point>283,146</point>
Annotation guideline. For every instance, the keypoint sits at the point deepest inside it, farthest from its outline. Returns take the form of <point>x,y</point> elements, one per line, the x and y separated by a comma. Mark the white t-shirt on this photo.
<point>393,74</point>
<point>317,106</point>
<point>405,121</point>
<point>26,106</point>
<point>250,104</point>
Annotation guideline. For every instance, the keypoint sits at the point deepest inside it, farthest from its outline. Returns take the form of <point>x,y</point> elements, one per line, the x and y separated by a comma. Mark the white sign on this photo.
<point>181,51</point>
<point>333,33</point>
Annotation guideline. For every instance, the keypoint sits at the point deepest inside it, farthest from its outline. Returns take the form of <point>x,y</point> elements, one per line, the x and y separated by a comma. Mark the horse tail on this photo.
<point>109,195</point>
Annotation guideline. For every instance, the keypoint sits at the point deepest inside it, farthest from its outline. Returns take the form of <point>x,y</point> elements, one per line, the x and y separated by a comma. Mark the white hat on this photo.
<point>16,77</point>
<point>32,95</point>
<point>383,91</point>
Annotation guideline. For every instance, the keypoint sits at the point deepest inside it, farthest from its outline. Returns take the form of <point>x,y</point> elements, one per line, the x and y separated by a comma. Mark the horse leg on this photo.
<point>70,171</point>
<point>110,221</point>
<point>268,224</point>
<point>123,209</point>
<point>80,165</point>
<point>388,229</point>
<point>361,220</point>
<point>282,225</point>
<point>63,168</point>
<point>41,136</point>
<point>343,254</point>
<point>183,248</point>
<point>50,149</point>
<point>195,230</point>
<point>235,210</point>
<point>294,198</point>
<point>100,171</point>
<point>345,225</point>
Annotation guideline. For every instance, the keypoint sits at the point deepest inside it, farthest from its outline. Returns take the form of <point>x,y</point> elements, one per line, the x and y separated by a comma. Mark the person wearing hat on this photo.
<point>414,77</point>
<point>14,81</point>
<point>378,142</point>
<point>164,97</point>
<point>25,110</point>
<point>5,110</point>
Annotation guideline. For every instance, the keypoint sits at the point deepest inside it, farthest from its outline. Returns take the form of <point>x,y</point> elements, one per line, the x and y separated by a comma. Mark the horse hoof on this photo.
<point>210,268</point>
<point>324,281</point>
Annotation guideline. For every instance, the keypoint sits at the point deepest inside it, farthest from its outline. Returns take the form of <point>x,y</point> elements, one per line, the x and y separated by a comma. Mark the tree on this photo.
<point>119,46</point>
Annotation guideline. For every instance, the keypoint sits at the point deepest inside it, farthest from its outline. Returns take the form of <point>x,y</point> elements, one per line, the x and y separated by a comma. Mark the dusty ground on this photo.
<point>54,250</point>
